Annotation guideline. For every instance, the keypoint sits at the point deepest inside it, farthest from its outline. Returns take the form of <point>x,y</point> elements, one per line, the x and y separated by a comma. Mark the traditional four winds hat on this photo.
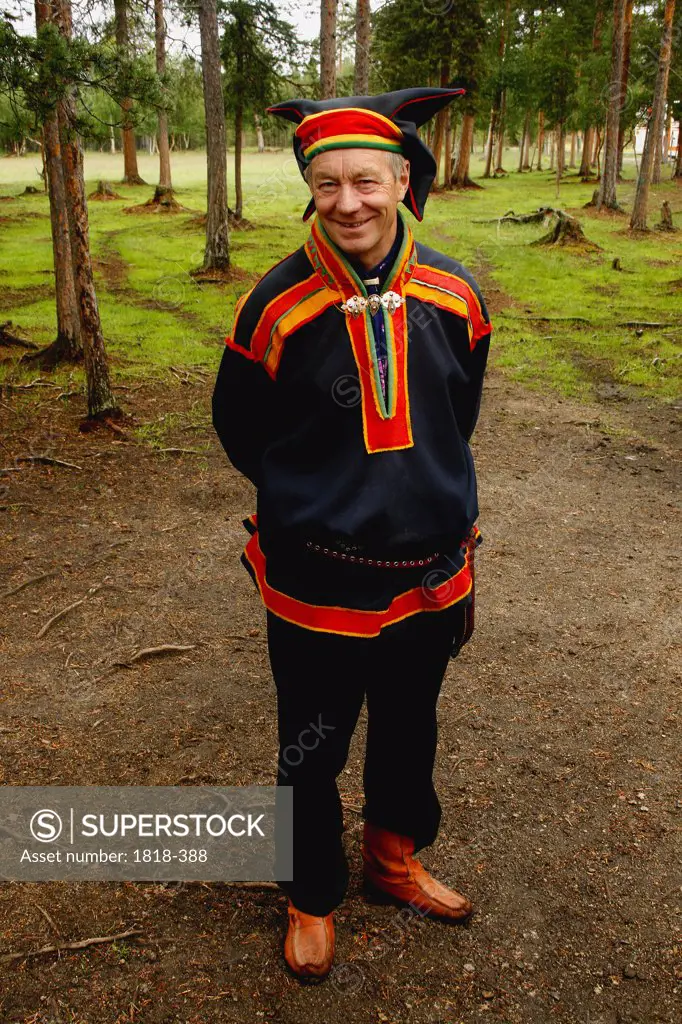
<point>388,121</point>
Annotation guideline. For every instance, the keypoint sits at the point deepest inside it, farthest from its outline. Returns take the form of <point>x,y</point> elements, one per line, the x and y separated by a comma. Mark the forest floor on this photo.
<point>559,743</point>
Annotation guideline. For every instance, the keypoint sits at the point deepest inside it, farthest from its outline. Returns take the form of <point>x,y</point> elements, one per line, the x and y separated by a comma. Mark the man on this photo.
<point>348,392</point>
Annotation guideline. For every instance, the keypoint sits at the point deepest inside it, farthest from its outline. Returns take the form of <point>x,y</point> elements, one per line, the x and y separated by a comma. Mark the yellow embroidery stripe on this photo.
<point>441,298</point>
<point>350,142</point>
<point>282,301</point>
<point>302,313</point>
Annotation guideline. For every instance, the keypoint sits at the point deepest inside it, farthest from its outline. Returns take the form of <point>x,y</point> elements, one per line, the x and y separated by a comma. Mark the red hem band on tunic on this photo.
<point>349,621</point>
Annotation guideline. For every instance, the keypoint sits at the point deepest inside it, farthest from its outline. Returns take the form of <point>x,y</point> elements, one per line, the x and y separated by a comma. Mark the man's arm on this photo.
<point>243,397</point>
<point>469,395</point>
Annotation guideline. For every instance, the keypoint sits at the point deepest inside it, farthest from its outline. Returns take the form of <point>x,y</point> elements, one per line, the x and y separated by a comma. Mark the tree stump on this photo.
<point>666,223</point>
<point>565,230</point>
<point>104,191</point>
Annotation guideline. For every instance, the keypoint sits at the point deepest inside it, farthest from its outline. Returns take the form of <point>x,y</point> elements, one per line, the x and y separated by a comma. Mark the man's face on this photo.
<point>356,197</point>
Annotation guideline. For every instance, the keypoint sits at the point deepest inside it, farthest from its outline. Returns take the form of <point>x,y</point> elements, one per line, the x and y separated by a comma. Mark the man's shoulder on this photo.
<point>450,273</point>
<point>274,284</point>
<point>281,276</point>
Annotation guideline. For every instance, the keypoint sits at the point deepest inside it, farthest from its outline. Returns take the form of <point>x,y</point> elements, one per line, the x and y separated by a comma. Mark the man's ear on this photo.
<point>405,178</point>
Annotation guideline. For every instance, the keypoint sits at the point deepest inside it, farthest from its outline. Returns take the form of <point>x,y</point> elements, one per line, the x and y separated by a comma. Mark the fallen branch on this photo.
<point>80,944</point>
<point>65,611</point>
<point>37,383</point>
<point>47,460</point>
<point>149,652</point>
<point>641,323</point>
<point>180,451</point>
<point>27,583</point>
<point>49,920</point>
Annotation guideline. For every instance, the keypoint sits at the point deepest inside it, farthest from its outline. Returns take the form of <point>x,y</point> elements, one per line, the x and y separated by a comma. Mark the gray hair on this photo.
<point>396,164</point>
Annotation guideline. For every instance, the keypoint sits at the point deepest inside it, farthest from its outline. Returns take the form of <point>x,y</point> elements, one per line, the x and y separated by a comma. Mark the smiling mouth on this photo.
<point>354,223</point>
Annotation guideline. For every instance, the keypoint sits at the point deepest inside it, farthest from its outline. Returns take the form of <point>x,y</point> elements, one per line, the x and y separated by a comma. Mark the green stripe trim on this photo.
<point>286,313</point>
<point>322,147</point>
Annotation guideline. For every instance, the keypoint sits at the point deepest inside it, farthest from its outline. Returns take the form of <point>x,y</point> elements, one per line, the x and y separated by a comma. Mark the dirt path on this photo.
<point>559,745</point>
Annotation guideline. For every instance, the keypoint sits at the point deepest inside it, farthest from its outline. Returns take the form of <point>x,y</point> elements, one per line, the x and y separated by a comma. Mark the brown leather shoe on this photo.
<point>391,868</point>
<point>309,945</point>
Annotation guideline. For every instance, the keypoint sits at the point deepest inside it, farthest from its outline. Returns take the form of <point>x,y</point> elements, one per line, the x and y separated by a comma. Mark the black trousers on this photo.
<point>322,680</point>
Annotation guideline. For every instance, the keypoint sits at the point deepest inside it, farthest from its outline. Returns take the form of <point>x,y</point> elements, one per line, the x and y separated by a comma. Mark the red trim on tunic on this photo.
<point>352,621</point>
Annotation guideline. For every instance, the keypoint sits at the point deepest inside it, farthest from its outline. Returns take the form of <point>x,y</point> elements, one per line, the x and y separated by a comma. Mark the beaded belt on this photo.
<point>384,563</point>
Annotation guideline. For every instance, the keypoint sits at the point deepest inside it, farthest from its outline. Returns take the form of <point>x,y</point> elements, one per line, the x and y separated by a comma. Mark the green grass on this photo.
<point>155,315</point>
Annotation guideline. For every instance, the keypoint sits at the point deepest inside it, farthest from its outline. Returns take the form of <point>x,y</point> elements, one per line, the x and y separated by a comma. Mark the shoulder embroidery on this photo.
<point>260,330</point>
<point>450,292</point>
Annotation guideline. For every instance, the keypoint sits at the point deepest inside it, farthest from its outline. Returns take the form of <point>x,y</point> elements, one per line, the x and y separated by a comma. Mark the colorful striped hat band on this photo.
<point>347,128</point>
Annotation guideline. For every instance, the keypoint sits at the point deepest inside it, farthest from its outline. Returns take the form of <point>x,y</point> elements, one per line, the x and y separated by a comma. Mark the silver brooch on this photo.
<point>357,304</point>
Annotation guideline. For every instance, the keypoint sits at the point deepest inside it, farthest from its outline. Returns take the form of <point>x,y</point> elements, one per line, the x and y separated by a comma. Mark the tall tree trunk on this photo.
<point>238,131</point>
<point>162,135</point>
<point>461,177</point>
<point>67,346</point>
<point>571,162</point>
<point>625,77</point>
<point>447,171</point>
<point>500,134</point>
<point>606,195</point>
<point>259,133</point>
<point>653,132</point>
<point>217,252</point>
<point>492,128</point>
<point>541,137</point>
<point>362,44</point>
<point>101,400</point>
<point>328,48</point>
<point>677,172</point>
<point>441,116</point>
<point>658,152</point>
<point>587,161</point>
<point>130,172</point>
<point>526,156</point>
<point>524,137</point>
<point>584,171</point>
<point>596,148</point>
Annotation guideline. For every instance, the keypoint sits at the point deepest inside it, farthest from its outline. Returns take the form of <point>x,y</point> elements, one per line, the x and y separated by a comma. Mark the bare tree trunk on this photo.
<point>259,133</point>
<point>492,128</point>
<point>677,173</point>
<point>500,135</point>
<point>162,135</point>
<point>447,172</point>
<point>606,195</point>
<point>101,400</point>
<point>653,132</point>
<point>658,153</point>
<point>571,162</point>
<point>362,44</point>
<point>584,171</point>
<point>625,76</point>
<point>441,117</point>
<point>217,252</point>
<point>541,137</point>
<point>328,48</point>
<point>667,137</point>
<point>238,133</point>
<point>461,177</point>
<point>130,172</point>
<point>523,157</point>
<point>67,346</point>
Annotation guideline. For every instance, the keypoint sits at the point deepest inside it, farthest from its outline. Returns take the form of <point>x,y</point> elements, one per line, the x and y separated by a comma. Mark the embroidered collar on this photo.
<point>337,272</point>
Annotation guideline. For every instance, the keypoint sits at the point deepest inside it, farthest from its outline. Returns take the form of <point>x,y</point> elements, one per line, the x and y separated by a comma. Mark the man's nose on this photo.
<point>347,200</point>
